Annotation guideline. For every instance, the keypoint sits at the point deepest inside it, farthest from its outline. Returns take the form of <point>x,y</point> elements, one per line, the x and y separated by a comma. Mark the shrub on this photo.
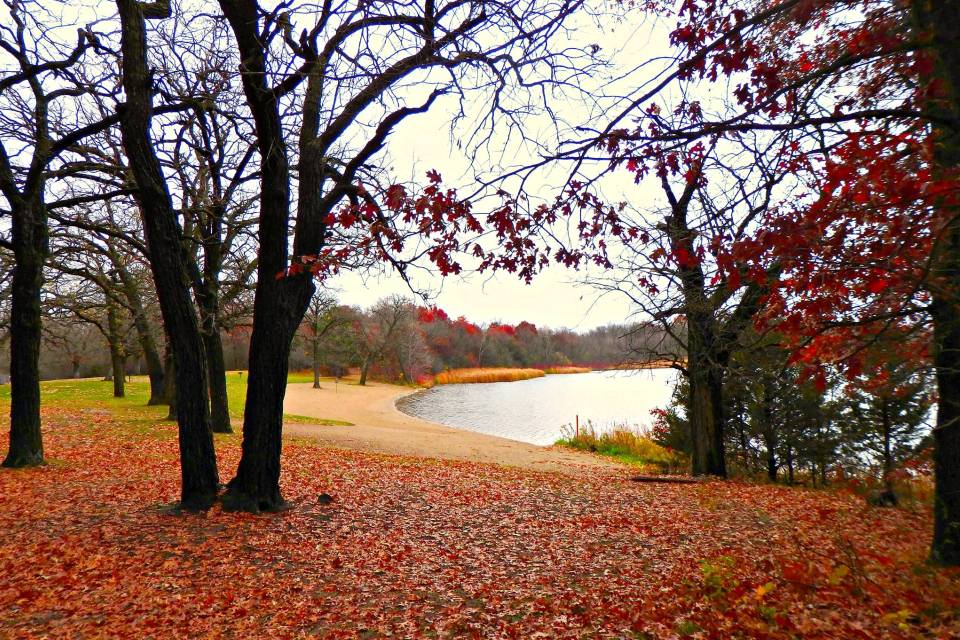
<point>629,444</point>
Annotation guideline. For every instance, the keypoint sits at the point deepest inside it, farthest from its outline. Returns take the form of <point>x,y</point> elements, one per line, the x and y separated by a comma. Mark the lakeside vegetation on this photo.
<point>566,369</point>
<point>626,444</point>
<point>476,375</point>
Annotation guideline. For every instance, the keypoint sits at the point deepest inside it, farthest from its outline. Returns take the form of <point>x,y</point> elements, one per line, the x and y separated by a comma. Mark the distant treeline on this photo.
<point>396,339</point>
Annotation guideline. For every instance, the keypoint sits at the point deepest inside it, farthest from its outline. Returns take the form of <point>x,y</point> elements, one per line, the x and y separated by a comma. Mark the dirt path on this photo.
<point>378,426</point>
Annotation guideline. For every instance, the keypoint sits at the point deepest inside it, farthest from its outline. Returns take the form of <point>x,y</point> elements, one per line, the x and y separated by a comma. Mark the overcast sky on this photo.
<point>555,298</point>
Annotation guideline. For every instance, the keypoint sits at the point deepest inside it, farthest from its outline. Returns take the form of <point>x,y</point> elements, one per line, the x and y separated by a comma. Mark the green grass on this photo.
<point>95,393</point>
<point>627,445</point>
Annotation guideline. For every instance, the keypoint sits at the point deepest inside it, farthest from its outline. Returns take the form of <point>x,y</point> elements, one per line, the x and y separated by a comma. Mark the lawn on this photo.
<point>423,548</point>
<point>93,393</point>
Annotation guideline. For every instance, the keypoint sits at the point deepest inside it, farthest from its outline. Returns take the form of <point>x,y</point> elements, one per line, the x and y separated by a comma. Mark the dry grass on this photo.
<point>647,364</point>
<point>566,369</point>
<point>626,444</point>
<point>476,375</point>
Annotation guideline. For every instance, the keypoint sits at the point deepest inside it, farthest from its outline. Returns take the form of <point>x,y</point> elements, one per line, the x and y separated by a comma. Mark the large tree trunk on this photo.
<point>938,24</point>
<point>278,310</point>
<point>30,243</point>
<point>198,463</point>
<point>148,345</point>
<point>705,375</point>
<point>117,356</point>
<point>279,304</point>
<point>946,455</point>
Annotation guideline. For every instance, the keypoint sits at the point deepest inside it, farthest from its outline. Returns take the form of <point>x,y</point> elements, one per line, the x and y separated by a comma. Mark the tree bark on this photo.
<point>148,345</point>
<point>170,386</point>
<point>316,358</point>
<point>937,25</point>
<point>946,454</point>
<point>364,370</point>
<point>198,463</point>
<point>216,370</point>
<point>887,453</point>
<point>117,356</point>
<point>706,415</point>
<point>279,303</point>
<point>31,247</point>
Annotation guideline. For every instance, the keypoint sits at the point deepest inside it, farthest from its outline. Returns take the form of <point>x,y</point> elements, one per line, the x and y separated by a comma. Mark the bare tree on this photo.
<point>379,331</point>
<point>353,72</point>
<point>198,464</point>
<point>323,316</point>
<point>40,91</point>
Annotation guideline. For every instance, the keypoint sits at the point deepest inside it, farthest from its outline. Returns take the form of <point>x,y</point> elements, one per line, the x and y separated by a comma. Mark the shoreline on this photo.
<point>379,426</point>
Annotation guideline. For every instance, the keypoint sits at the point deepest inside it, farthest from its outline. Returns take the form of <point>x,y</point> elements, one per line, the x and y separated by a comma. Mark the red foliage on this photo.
<point>502,329</point>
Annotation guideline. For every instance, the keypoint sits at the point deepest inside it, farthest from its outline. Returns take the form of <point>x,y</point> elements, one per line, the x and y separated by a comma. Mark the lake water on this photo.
<point>536,410</point>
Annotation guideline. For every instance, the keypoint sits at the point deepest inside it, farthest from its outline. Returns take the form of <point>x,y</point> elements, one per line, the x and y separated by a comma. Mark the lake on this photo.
<point>537,410</point>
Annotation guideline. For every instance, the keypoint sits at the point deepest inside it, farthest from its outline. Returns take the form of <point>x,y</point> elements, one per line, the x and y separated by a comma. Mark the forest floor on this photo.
<point>419,548</point>
<point>374,424</point>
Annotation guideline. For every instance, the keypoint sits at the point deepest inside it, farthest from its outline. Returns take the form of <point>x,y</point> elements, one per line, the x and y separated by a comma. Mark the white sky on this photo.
<point>554,299</point>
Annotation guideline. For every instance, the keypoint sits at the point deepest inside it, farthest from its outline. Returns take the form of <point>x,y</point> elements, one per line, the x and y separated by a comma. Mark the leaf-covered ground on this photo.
<point>413,548</point>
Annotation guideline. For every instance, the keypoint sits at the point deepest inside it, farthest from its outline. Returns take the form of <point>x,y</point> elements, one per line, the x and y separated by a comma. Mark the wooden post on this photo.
<point>577,422</point>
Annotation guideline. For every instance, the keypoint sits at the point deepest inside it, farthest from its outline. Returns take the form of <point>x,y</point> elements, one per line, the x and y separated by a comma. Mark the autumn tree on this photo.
<point>862,95</point>
<point>210,162</point>
<point>331,61</point>
<point>381,330</point>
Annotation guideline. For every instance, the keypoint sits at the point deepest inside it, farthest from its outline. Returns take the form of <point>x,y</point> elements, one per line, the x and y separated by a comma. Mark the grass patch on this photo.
<point>87,393</point>
<point>625,444</point>
<point>492,374</point>
<point>325,422</point>
<point>566,369</point>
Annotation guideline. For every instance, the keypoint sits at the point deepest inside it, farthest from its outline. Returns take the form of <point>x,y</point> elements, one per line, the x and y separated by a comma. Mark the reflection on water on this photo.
<point>536,410</point>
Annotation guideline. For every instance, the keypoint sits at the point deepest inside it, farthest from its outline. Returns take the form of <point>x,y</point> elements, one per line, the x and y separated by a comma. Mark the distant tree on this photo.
<point>382,330</point>
<point>323,316</point>
<point>886,411</point>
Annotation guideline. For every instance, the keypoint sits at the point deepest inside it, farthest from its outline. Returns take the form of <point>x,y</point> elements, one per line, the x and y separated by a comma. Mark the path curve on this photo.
<point>378,426</point>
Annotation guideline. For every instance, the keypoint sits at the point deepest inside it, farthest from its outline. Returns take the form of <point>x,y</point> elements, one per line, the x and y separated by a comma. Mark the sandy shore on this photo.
<point>378,426</point>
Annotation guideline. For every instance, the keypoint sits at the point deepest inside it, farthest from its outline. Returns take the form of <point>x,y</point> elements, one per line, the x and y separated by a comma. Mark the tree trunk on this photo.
<point>30,242</point>
<point>219,403</point>
<point>278,308</point>
<point>117,355</point>
<point>148,345</point>
<point>198,463</point>
<point>937,24</point>
<point>887,453</point>
<point>169,395</point>
<point>790,476</point>
<point>364,370</point>
<point>946,454</point>
<point>316,359</point>
<point>279,304</point>
<point>706,399</point>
